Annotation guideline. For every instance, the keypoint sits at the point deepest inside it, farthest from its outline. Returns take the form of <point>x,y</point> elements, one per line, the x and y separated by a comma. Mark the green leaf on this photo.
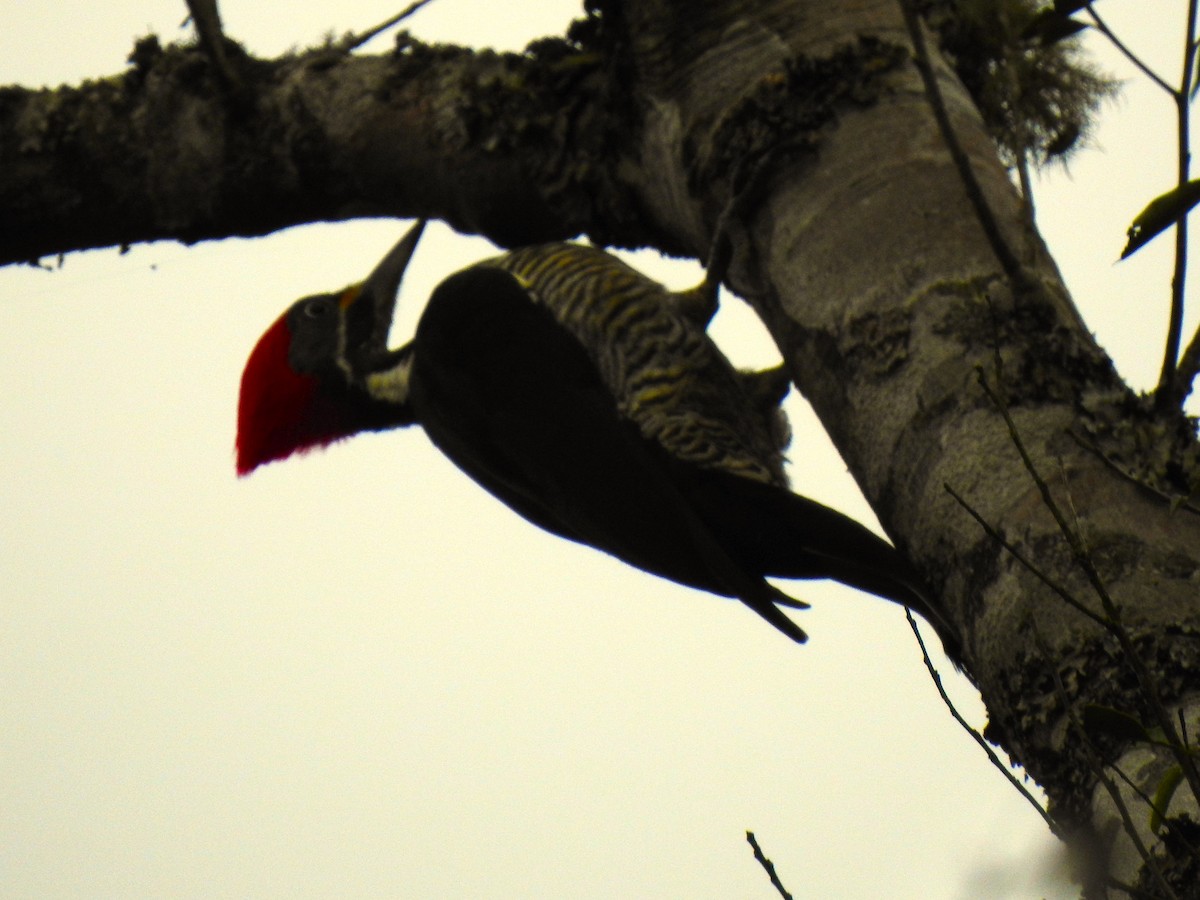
<point>1106,720</point>
<point>1162,796</point>
<point>1160,214</point>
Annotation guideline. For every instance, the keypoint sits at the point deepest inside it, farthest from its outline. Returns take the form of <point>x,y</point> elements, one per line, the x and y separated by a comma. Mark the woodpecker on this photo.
<point>587,398</point>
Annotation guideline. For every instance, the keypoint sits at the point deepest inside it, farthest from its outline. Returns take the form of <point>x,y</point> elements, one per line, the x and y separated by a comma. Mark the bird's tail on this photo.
<point>775,533</point>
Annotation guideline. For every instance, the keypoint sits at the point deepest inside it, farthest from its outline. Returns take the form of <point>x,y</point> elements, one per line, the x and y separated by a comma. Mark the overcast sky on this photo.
<point>357,675</point>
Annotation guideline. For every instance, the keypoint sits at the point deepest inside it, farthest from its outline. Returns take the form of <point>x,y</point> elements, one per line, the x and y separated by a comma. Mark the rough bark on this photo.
<point>800,130</point>
<point>164,151</point>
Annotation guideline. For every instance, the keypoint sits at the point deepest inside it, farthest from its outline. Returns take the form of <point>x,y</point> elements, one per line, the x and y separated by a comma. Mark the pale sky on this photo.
<point>358,675</point>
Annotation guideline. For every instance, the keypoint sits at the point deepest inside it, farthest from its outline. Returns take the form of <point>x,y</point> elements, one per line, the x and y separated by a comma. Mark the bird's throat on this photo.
<point>391,385</point>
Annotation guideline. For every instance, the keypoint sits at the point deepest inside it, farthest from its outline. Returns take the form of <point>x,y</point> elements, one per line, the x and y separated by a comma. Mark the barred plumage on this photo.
<point>664,371</point>
<point>590,400</point>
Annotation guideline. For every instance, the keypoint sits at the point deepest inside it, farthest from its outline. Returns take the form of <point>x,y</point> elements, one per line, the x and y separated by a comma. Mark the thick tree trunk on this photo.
<point>859,248</point>
<point>799,130</point>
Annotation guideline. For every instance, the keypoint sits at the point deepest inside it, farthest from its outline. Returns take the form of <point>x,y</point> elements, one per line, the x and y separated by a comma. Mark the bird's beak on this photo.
<point>369,307</point>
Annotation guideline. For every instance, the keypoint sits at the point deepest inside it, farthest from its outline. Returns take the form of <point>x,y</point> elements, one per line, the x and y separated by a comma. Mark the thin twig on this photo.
<point>1107,783</point>
<point>1125,51</point>
<point>768,866</point>
<point>357,40</point>
<point>1077,549</point>
<point>1019,124</point>
<point>983,212</point>
<point>1045,579</point>
<point>749,179</point>
<point>1189,367</point>
<point>1173,501</point>
<point>1171,390</point>
<point>974,733</point>
<point>206,19</point>
<point>1026,188</point>
<point>1171,826</point>
<point>1146,681</point>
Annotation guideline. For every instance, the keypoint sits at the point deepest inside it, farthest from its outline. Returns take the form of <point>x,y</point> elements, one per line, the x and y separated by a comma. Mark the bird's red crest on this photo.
<point>280,412</point>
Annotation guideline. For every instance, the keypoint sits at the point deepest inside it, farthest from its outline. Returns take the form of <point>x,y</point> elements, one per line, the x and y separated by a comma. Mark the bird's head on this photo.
<point>309,380</point>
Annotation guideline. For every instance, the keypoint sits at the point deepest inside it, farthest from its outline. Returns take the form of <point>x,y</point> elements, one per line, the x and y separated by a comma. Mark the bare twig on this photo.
<point>768,866</point>
<point>748,180</point>
<point>983,212</point>
<point>1113,623</point>
<point>1026,188</point>
<point>1169,825</point>
<point>1103,28</point>
<point>974,733</point>
<point>1171,388</point>
<point>206,19</point>
<point>1077,549</point>
<point>1189,367</point>
<point>1045,579</point>
<point>1019,124</point>
<point>357,40</point>
<point>1173,501</point>
<point>1097,768</point>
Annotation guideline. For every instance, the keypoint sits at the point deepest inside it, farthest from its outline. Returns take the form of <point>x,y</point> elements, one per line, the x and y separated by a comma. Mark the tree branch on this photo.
<point>352,41</point>
<point>768,866</point>
<point>975,735</point>
<point>1175,384</point>
<point>983,212</point>
<point>206,18</point>
<point>1103,28</point>
<point>1150,688</point>
<point>159,152</point>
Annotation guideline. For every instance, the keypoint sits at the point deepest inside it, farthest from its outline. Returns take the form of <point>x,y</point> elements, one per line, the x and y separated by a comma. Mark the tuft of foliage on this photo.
<point>1036,92</point>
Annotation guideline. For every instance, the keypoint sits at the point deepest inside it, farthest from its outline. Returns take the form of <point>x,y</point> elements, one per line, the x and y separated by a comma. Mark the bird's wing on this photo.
<point>513,399</point>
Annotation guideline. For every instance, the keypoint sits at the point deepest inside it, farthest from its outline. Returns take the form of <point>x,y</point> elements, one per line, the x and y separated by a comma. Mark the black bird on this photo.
<point>591,401</point>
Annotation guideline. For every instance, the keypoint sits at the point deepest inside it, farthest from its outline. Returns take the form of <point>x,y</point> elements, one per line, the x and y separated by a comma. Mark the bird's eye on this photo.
<point>318,308</point>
